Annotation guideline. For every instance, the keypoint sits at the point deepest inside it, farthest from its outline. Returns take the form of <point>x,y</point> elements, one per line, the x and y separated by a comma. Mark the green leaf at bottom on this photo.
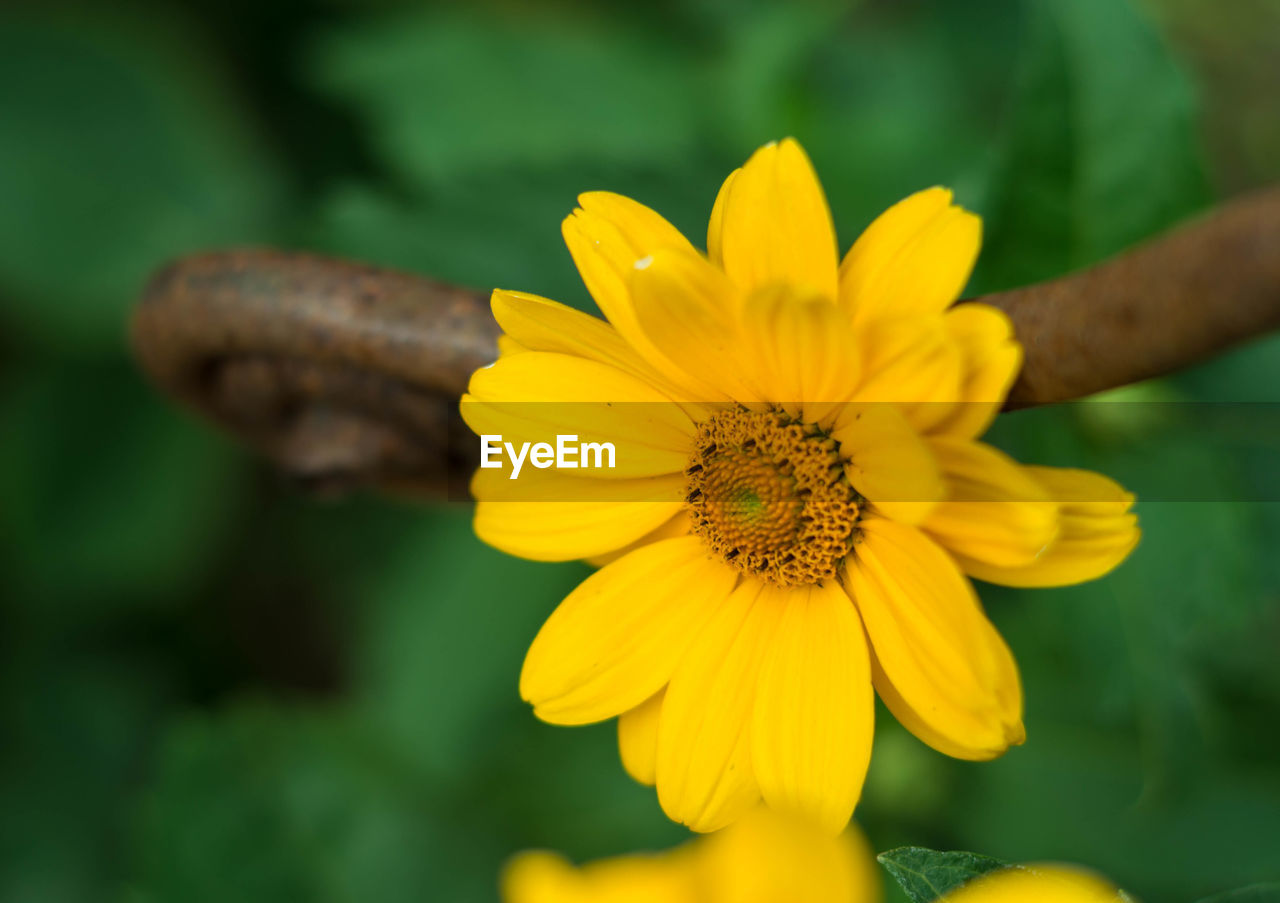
<point>927,874</point>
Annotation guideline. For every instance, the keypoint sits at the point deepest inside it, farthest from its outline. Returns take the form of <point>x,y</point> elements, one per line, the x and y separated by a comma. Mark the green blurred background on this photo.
<point>215,688</point>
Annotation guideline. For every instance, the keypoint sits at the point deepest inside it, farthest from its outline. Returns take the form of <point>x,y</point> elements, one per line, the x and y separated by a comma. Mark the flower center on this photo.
<point>769,495</point>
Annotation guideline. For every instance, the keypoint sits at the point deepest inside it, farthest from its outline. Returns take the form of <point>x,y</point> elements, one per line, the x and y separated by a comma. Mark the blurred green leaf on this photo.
<point>928,874</point>
<point>1101,148</point>
<point>447,628</point>
<point>112,498</point>
<point>122,146</point>
<point>565,789</point>
<point>884,88</point>
<point>761,68</point>
<point>905,782</point>
<point>444,93</point>
<point>267,804</point>
<point>80,712</point>
<point>470,236</point>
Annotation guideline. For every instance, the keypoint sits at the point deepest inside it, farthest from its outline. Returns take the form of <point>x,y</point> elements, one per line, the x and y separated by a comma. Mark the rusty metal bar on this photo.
<point>1157,308</point>
<point>347,374</point>
<point>343,374</point>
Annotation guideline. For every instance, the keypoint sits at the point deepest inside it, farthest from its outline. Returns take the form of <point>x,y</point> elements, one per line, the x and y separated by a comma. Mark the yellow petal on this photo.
<point>803,350</point>
<point>914,259</point>
<point>676,526</point>
<point>704,749</point>
<point>1039,883</point>
<point>642,228</point>
<point>549,516</point>
<point>564,531</point>
<point>690,312</point>
<point>508,345</point>
<point>996,511</point>
<point>888,462</point>
<point>1096,531</point>
<point>540,324</point>
<point>533,323</point>
<point>638,739</point>
<point>614,641</point>
<point>775,225</point>
<point>605,237</point>
<point>991,358</point>
<point>553,485</point>
<point>715,228</point>
<point>771,857</point>
<point>536,396</point>
<point>938,663</point>
<point>913,362</point>
<point>814,712</point>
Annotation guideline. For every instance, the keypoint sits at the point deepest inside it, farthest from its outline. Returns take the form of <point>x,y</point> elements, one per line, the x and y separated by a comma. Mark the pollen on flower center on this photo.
<point>768,494</point>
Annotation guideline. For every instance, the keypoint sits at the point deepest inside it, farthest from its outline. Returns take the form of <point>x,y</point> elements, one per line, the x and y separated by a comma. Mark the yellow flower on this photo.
<point>770,858</point>
<point>1039,883</point>
<point>763,858</point>
<point>799,495</point>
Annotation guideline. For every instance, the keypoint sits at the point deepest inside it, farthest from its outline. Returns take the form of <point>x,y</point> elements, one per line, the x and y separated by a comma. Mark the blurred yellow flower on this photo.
<point>1037,884</point>
<point>770,858</point>
<point>799,497</point>
<point>763,858</point>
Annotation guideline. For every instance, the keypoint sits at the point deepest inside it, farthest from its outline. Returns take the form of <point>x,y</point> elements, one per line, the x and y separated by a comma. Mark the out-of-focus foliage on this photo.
<point>217,689</point>
<point>122,144</point>
<point>1065,193</point>
<point>1258,893</point>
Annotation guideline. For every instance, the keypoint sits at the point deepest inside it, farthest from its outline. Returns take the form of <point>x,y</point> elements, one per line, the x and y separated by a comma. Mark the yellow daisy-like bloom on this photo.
<point>799,495</point>
<point>769,858</point>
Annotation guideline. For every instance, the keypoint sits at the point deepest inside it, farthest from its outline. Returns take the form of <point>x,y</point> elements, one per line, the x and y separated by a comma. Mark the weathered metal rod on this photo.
<point>1156,308</point>
<point>346,374</point>
<point>343,374</point>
